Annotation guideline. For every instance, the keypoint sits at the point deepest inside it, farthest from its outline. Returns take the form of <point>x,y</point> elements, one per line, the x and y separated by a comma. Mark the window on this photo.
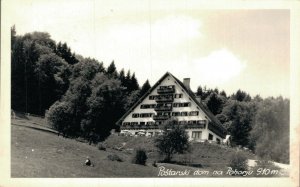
<point>126,123</point>
<point>153,106</point>
<point>196,135</point>
<point>182,122</point>
<point>175,113</point>
<point>194,113</point>
<point>134,123</point>
<point>152,97</point>
<point>182,104</point>
<point>142,123</point>
<point>150,123</point>
<point>210,137</point>
<point>144,106</point>
<point>192,122</point>
<point>145,115</point>
<point>184,113</point>
<point>134,115</point>
<point>178,96</point>
<point>202,122</point>
<point>148,106</point>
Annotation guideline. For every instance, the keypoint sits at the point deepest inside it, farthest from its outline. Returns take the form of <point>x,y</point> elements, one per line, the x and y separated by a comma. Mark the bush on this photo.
<point>174,140</point>
<point>114,157</point>
<point>239,161</point>
<point>140,157</point>
<point>101,147</point>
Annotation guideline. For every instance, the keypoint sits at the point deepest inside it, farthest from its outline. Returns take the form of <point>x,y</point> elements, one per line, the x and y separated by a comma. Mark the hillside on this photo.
<point>41,153</point>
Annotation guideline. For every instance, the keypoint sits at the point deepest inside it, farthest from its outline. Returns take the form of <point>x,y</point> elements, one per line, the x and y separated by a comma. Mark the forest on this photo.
<point>82,98</point>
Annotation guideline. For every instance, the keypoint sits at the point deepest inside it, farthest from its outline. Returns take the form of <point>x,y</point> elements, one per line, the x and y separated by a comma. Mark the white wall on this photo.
<point>166,82</point>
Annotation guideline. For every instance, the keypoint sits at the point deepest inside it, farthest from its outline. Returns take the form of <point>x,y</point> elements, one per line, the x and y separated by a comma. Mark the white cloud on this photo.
<point>148,50</point>
<point>218,67</point>
<point>174,30</point>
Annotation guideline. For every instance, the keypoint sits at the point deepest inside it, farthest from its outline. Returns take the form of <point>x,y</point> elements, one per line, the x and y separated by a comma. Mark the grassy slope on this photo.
<point>41,154</point>
<point>38,153</point>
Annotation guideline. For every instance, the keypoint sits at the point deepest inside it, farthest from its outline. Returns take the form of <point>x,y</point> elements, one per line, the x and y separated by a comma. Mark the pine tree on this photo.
<point>112,70</point>
<point>146,86</point>
<point>199,91</point>
<point>134,83</point>
<point>122,77</point>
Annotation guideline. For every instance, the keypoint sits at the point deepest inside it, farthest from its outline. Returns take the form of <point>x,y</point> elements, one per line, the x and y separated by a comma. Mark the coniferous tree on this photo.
<point>122,77</point>
<point>64,52</point>
<point>112,70</point>
<point>134,85</point>
<point>239,116</point>
<point>199,91</point>
<point>214,103</point>
<point>223,93</point>
<point>241,96</point>
<point>146,86</point>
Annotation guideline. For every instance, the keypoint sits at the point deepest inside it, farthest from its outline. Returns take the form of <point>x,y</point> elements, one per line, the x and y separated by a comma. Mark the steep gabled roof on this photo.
<point>143,97</point>
<point>215,121</point>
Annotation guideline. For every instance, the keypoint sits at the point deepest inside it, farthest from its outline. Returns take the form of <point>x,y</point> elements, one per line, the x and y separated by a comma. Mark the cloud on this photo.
<point>163,35</point>
<point>219,66</point>
<point>143,47</point>
<point>174,30</point>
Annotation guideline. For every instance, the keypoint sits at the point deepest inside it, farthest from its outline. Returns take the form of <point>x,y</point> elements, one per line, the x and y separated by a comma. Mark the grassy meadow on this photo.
<point>37,151</point>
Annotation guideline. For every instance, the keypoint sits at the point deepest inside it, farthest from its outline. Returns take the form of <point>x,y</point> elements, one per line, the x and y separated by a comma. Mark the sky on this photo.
<point>228,49</point>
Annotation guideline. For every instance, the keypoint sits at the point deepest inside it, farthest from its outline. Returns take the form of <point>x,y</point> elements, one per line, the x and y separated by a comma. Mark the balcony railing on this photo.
<point>163,108</point>
<point>164,99</point>
<point>197,125</point>
<point>125,127</point>
<point>160,117</point>
<point>186,125</point>
<point>165,90</point>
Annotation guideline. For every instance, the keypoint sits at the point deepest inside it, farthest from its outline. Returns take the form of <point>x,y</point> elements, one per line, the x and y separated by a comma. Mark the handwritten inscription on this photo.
<point>164,172</point>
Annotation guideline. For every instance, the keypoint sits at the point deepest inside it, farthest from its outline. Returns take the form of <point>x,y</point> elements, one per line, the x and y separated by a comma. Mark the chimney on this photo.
<point>186,83</point>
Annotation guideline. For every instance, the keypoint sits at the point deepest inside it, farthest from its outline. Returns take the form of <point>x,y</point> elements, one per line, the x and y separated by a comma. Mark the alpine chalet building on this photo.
<point>171,98</point>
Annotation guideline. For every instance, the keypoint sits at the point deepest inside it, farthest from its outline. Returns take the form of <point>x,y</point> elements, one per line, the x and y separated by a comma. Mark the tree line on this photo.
<point>85,99</point>
<point>262,125</point>
<point>82,97</point>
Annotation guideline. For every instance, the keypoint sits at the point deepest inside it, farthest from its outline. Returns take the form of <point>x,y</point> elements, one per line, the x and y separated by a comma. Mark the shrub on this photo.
<point>101,147</point>
<point>174,140</point>
<point>239,161</point>
<point>114,157</point>
<point>140,157</point>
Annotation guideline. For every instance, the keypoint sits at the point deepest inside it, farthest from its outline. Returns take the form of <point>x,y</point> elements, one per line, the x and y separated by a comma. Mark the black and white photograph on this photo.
<point>150,89</point>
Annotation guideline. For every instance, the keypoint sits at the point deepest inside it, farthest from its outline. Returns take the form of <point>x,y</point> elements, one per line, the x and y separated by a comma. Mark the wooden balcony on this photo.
<point>156,117</point>
<point>163,108</point>
<point>165,90</point>
<point>143,127</point>
<point>186,125</point>
<point>197,125</point>
<point>164,99</point>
